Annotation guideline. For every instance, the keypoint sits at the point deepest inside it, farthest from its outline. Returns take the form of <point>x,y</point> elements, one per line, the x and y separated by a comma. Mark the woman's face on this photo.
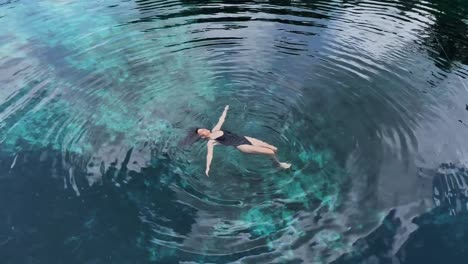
<point>203,132</point>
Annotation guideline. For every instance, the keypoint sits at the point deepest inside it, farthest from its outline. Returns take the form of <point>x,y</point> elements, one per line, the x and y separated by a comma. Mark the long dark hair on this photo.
<point>191,137</point>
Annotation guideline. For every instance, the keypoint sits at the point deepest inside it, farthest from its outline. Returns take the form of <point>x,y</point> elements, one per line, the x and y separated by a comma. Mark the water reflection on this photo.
<point>363,96</point>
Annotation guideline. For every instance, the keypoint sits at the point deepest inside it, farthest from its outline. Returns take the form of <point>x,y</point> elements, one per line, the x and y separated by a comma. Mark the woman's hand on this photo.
<point>226,108</point>
<point>207,171</point>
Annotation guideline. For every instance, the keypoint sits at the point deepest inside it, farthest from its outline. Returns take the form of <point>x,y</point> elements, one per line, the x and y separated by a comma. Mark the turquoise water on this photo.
<point>367,100</point>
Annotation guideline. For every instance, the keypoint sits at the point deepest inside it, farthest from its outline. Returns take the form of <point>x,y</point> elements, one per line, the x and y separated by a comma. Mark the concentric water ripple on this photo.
<point>360,96</point>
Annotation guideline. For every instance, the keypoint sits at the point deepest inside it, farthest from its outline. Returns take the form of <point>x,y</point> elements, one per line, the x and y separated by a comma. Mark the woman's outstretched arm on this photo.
<point>221,119</point>
<point>209,155</point>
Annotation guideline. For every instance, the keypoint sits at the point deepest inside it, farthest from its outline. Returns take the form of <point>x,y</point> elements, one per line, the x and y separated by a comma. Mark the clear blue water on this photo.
<point>367,99</point>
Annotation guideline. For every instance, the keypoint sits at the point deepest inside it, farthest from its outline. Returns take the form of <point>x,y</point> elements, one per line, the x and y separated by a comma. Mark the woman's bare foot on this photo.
<point>285,165</point>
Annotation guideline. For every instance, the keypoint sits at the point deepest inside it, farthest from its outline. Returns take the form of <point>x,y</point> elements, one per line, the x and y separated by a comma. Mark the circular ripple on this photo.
<point>341,88</point>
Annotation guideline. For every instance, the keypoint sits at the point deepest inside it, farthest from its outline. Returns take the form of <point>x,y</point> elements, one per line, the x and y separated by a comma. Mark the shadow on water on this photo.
<point>441,236</point>
<point>43,220</point>
<point>449,34</point>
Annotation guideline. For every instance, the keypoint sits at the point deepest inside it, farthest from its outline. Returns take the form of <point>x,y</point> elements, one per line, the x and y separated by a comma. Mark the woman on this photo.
<point>245,144</point>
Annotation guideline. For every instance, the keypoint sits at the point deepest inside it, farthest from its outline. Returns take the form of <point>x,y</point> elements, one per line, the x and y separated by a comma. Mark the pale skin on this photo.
<point>257,147</point>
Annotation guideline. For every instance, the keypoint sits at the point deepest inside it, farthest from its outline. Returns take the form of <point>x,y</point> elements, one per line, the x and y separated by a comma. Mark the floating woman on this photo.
<point>247,145</point>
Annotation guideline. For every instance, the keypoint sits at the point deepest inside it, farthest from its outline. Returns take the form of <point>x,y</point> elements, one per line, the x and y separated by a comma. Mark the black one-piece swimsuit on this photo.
<point>231,139</point>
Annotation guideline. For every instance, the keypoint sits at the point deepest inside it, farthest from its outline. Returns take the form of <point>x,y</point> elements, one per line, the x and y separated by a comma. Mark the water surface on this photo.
<point>367,100</point>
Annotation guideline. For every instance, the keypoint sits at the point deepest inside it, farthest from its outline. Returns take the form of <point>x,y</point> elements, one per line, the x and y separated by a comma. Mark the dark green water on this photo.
<point>367,99</point>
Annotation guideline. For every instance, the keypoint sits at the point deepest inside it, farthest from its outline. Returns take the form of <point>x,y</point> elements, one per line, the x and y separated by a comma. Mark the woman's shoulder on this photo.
<point>218,133</point>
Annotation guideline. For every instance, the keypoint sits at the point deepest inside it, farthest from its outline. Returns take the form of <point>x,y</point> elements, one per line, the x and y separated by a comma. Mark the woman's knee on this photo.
<point>265,151</point>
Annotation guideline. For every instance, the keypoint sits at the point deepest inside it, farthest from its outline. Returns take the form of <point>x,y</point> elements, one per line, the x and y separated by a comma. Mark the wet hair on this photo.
<point>191,137</point>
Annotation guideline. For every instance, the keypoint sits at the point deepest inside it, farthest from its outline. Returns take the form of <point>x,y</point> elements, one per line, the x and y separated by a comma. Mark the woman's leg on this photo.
<point>263,151</point>
<point>259,143</point>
